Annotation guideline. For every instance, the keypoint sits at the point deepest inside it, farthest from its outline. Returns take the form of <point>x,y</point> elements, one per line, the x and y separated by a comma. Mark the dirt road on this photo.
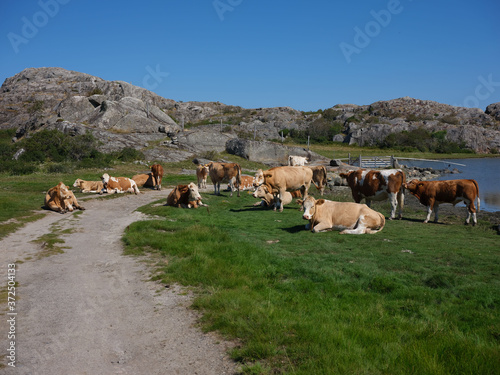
<point>91,310</point>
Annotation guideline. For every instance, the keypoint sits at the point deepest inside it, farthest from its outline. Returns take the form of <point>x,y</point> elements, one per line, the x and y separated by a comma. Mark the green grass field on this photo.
<point>412,299</point>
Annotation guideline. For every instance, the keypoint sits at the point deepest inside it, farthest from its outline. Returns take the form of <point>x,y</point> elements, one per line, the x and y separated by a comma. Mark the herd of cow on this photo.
<point>278,186</point>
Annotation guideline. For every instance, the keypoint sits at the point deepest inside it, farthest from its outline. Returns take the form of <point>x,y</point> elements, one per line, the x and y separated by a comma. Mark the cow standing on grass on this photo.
<point>346,217</point>
<point>201,176</point>
<point>225,172</point>
<point>319,178</point>
<point>279,180</point>
<point>378,186</point>
<point>433,193</point>
<point>157,171</point>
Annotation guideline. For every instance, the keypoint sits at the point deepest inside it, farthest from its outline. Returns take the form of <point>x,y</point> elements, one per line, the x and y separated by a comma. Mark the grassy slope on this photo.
<point>412,299</point>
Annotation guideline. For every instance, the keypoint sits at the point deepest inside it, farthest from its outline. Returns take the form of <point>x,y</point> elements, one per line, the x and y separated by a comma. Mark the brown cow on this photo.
<point>145,179</point>
<point>278,180</point>
<point>225,172</point>
<point>201,175</point>
<point>378,186</point>
<point>433,193</point>
<point>347,217</point>
<point>268,199</point>
<point>61,199</point>
<point>185,196</point>
<point>319,177</point>
<point>118,185</point>
<point>157,171</point>
<point>88,186</point>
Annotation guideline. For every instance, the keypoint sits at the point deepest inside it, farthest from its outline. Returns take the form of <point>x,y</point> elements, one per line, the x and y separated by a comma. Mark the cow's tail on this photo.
<point>477,191</point>
<point>238,175</point>
<point>381,225</point>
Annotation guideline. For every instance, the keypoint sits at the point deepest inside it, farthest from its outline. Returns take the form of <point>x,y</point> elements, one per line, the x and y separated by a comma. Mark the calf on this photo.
<point>88,186</point>
<point>145,179</point>
<point>225,172</point>
<point>201,175</point>
<point>157,171</point>
<point>61,199</point>
<point>185,196</point>
<point>433,193</point>
<point>378,186</point>
<point>347,217</point>
<point>118,185</point>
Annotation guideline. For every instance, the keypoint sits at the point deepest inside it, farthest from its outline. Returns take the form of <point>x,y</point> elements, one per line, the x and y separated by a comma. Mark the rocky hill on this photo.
<point>123,115</point>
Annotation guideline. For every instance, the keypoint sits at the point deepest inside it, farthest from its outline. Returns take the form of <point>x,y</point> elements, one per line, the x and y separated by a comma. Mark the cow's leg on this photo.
<point>159,186</point>
<point>320,227</point>
<point>369,202</point>
<point>471,211</point>
<point>429,212</point>
<point>394,205</point>
<point>281,194</point>
<point>401,203</point>
<point>436,213</point>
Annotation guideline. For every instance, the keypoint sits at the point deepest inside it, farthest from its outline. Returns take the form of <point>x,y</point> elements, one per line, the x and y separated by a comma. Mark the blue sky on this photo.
<point>255,53</point>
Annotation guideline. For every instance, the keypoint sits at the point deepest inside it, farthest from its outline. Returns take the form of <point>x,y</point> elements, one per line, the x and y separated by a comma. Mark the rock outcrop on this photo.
<point>123,115</point>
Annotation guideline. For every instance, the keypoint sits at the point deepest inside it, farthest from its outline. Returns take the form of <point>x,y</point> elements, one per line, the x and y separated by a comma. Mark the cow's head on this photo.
<point>194,194</point>
<point>261,192</point>
<point>105,179</point>
<point>414,185</point>
<point>259,178</point>
<point>63,191</point>
<point>77,183</point>
<point>309,206</point>
<point>349,176</point>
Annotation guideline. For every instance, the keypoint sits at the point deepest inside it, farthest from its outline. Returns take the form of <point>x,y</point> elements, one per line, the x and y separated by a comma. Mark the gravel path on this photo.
<point>91,310</point>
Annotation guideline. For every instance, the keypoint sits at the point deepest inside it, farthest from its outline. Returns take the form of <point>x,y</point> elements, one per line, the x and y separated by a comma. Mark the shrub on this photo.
<point>130,154</point>
<point>36,107</point>
<point>424,141</point>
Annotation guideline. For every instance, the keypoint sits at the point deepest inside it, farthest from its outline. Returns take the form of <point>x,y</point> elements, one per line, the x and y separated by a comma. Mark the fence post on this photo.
<point>360,165</point>
<point>349,156</point>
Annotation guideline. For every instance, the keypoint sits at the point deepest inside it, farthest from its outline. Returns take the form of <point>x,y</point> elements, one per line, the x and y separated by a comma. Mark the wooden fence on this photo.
<point>386,161</point>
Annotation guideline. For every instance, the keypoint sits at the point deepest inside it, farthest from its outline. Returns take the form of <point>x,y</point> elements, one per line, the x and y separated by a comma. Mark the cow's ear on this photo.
<point>300,201</point>
<point>319,202</point>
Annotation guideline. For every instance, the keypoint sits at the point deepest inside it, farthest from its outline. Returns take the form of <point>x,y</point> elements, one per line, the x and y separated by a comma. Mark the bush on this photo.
<point>424,141</point>
<point>130,154</point>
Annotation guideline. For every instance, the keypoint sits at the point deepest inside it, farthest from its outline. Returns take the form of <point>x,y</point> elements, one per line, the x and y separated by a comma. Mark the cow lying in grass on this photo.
<point>118,185</point>
<point>88,186</point>
<point>185,196</point>
<point>61,199</point>
<point>145,180</point>
<point>268,199</point>
<point>346,217</point>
